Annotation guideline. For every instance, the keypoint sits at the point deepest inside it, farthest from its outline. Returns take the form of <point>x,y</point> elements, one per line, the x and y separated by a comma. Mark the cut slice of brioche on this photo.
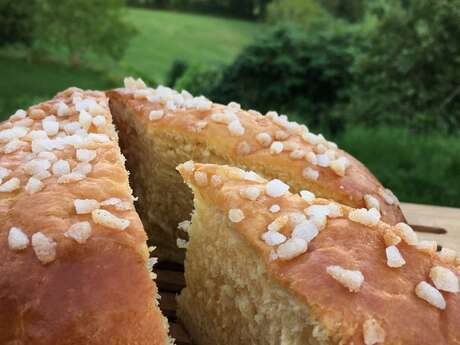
<point>160,128</point>
<point>73,255</point>
<point>288,269</point>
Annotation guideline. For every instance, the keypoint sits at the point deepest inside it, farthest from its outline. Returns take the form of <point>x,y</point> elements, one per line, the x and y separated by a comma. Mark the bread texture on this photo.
<point>73,254</point>
<point>160,128</point>
<point>287,269</point>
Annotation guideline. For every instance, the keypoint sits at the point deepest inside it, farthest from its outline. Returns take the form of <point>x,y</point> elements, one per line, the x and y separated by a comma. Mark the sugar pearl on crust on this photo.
<point>109,220</point>
<point>306,230</point>
<point>11,185</point>
<point>44,247</point>
<point>363,216</point>
<point>201,178</point>
<point>155,115</point>
<point>80,232</point>
<point>311,157</point>
<point>273,238</point>
<point>339,166</point>
<point>264,139</point>
<point>216,181</point>
<point>188,166</point>
<point>34,185</point>
<point>13,146</point>
<point>275,208</point>
<point>235,215</point>
<point>406,233</point>
<point>276,147</point>
<point>35,166</point>
<point>251,192</point>
<point>373,333</point>
<point>444,279</point>
<point>278,223</point>
<point>85,206</point>
<point>388,196</point>
<point>307,195</point>
<point>352,280</point>
<point>18,115</point>
<point>235,128</point>
<point>243,148</point>
<point>430,294</point>
<point>394,257</point>
<point>310,174</point>
<point>84,155</point>
<point>17,239</point>
<point>297,154</point>
<point>292,248</point>
<point>447,255</point>
<point>371,202</point>
<point>276,188</point>
<point>99,121</point>
<point>4,172</point>
<point>427,246</point>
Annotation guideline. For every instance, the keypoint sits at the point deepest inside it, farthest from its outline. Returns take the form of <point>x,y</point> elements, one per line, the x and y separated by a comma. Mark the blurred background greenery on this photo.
<point>380,77</point>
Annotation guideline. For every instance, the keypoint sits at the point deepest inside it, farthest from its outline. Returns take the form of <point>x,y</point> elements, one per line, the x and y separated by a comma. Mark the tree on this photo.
<point>407,71</point>
<point>16,23</point>
<point>81,26</point>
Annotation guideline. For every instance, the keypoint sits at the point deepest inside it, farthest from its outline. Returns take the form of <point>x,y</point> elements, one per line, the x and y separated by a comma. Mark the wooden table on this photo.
<point>435,223</point>
<point>431,223</point>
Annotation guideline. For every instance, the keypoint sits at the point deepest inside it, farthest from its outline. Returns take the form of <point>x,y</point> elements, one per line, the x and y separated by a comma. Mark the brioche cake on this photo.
<point>264,266</point>
<point>160,128</point>
<point>74,263</point>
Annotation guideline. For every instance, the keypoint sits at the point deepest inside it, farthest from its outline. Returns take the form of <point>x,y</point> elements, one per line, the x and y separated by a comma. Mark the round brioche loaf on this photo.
<point>344,276</point>
<point>160,128</point>
<point>73,254</point>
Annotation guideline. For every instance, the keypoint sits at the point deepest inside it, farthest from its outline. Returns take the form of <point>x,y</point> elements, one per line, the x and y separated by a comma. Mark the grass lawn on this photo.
<point>164,36</point>
<point>418,168</point>
<point>23,84</point>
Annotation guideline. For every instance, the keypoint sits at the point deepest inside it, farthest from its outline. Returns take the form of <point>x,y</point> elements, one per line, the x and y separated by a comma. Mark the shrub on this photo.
<point>200,80</point>
<point>293,71</point>
<point>176,71</point>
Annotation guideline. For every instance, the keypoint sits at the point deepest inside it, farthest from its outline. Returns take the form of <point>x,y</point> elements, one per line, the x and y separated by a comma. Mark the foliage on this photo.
<point>407,70</point>
<point>176,71</point>
<point>291,71</point>
<point>15,19</point>
<point>304,13</point>
<point>199,79</point>
<point>82,27</point>
<point>418,168</point>
<point>351,10</point>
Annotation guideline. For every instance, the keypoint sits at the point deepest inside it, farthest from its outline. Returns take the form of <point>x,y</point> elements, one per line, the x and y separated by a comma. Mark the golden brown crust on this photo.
<point>97,292</point>
<point>387,294</point>
<point>246,151</point>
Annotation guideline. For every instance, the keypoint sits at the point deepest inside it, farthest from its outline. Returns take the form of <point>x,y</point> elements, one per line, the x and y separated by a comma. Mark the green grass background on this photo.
<point>419,168</point>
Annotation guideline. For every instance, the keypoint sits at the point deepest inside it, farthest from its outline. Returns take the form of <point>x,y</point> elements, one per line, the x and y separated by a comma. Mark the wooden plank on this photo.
<point>167,280</point>
<point>441,224</point>
<point>168,304</point>
<point>178,332</point>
